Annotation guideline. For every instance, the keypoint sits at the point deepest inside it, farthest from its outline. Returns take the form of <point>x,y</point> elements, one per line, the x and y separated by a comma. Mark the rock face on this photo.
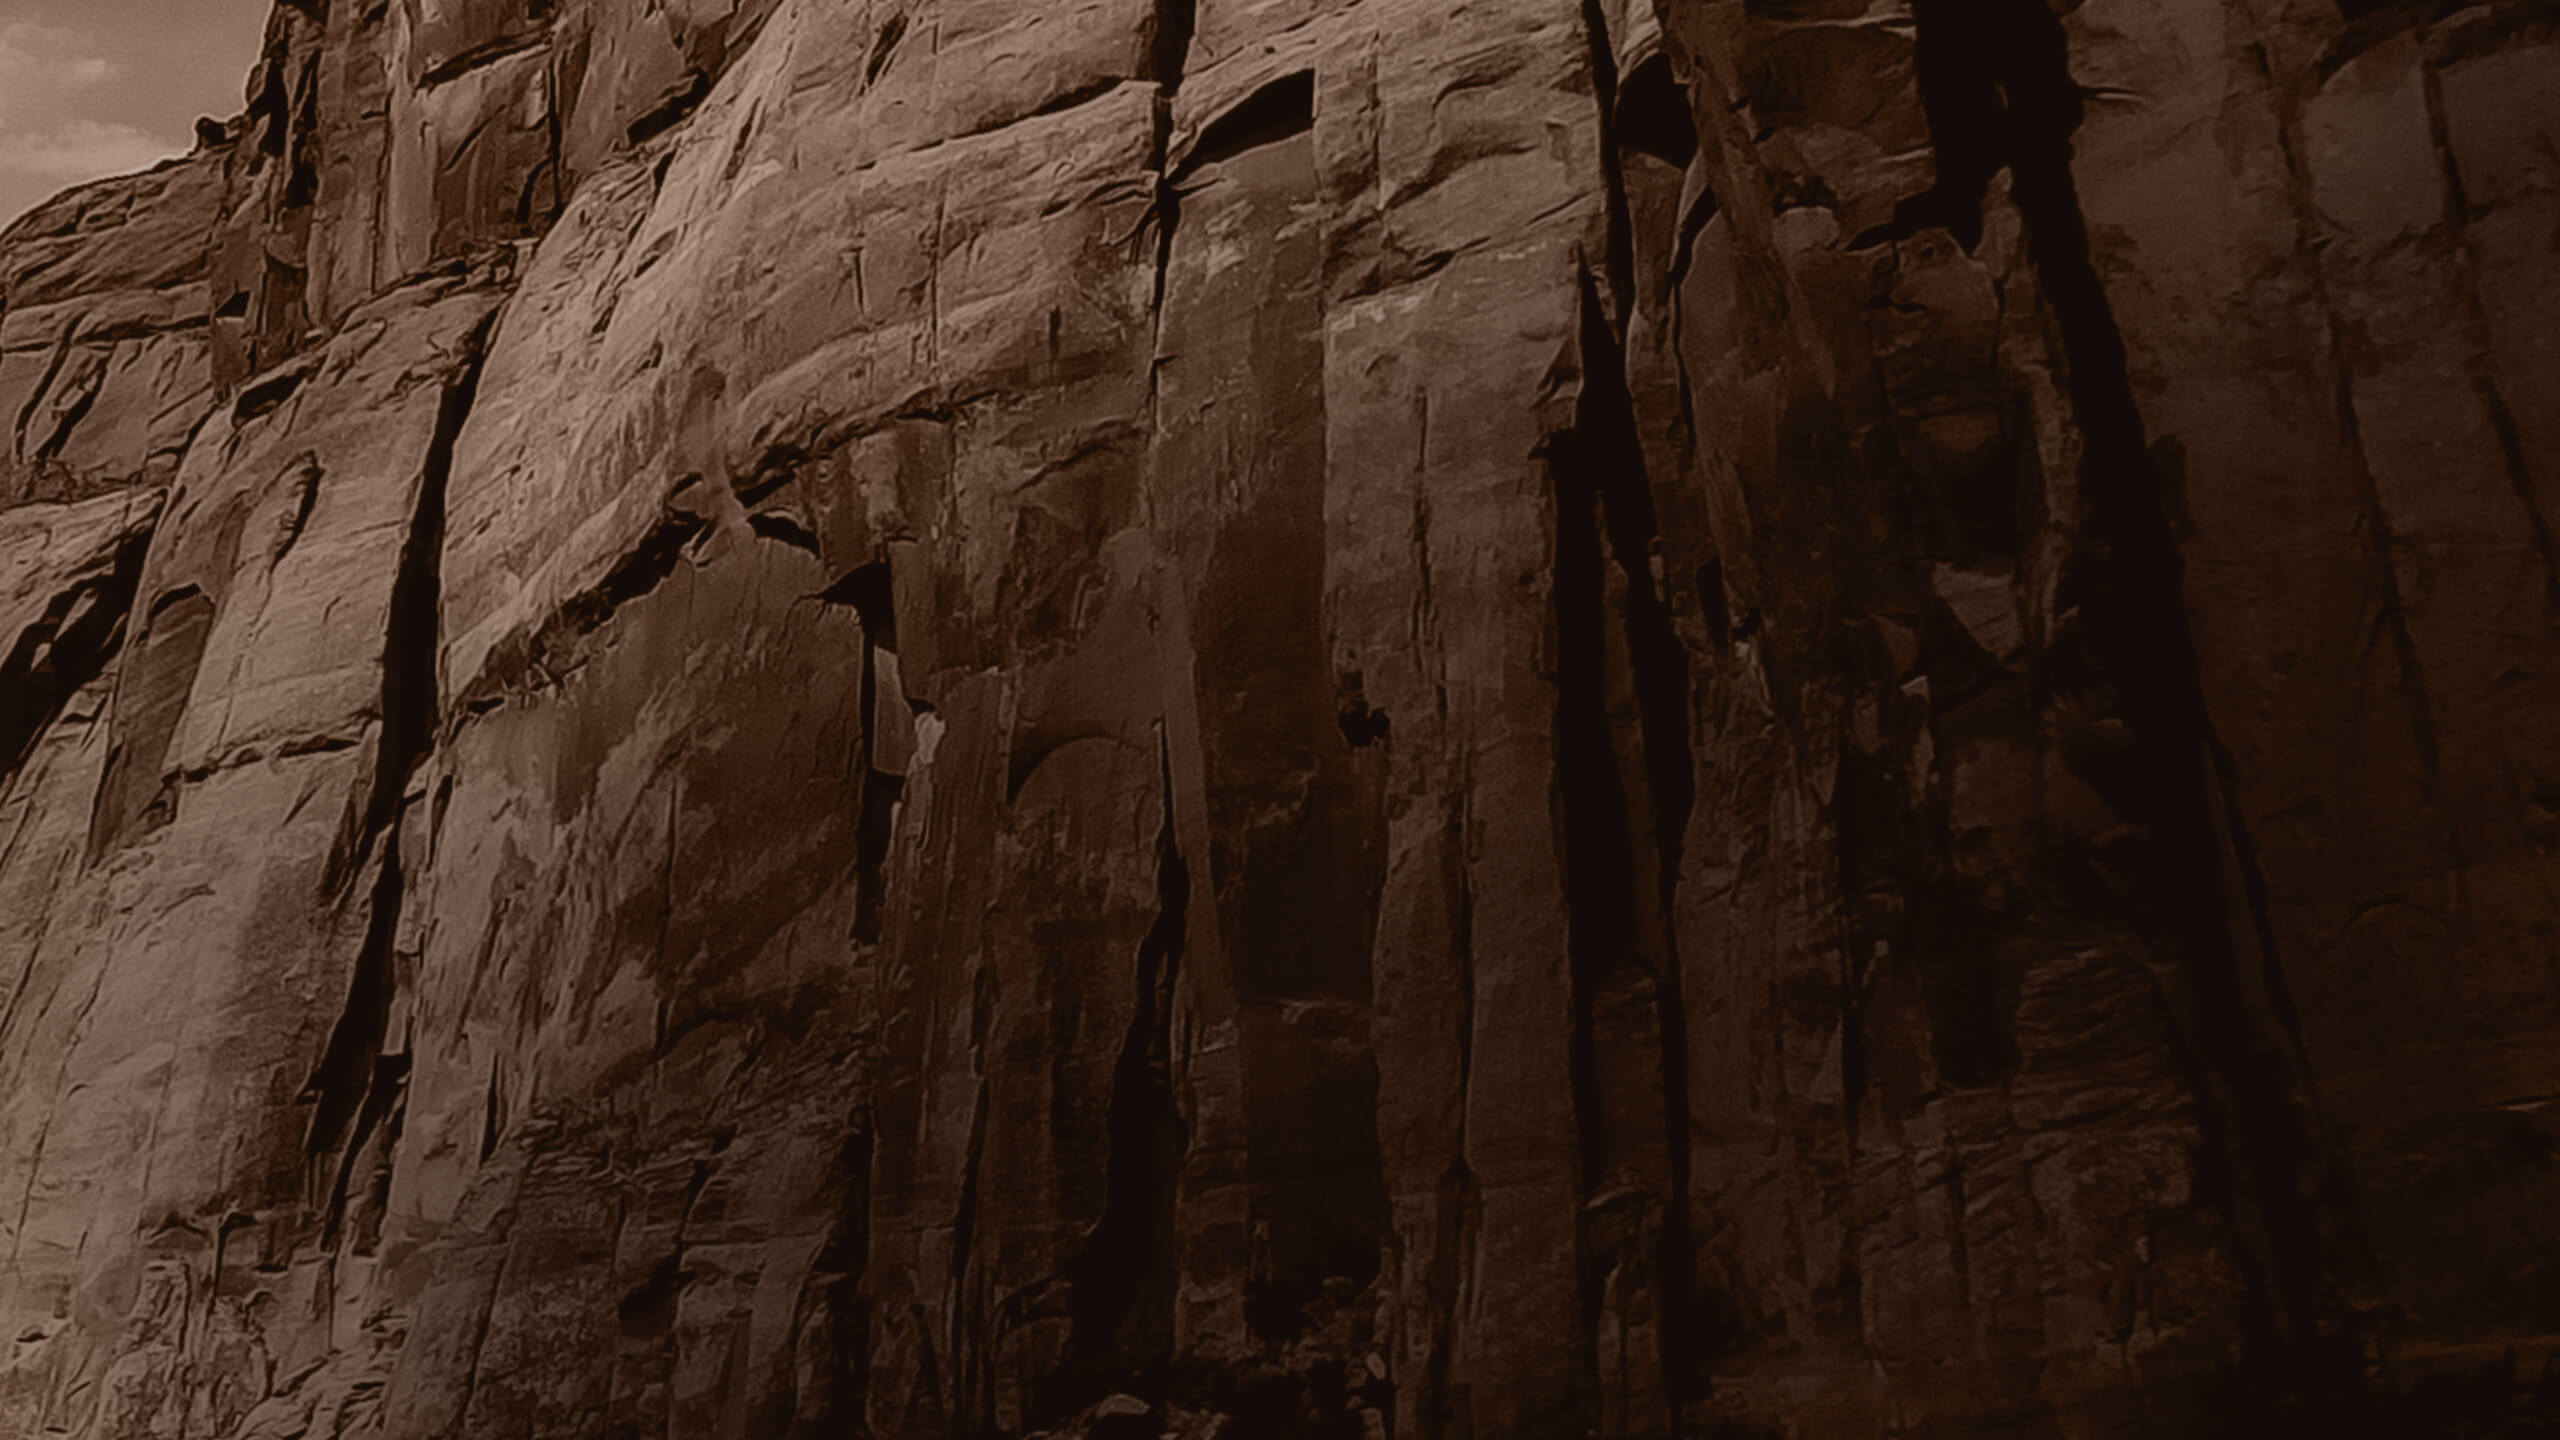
<point>809,718</point>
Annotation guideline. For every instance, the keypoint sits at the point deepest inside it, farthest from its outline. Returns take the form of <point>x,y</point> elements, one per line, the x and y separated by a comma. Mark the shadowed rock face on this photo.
<point>812,718</point>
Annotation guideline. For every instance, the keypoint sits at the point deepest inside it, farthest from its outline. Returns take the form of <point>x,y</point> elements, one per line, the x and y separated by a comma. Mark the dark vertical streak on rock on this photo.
<point>306,496</point>
<point>1169,33</point>
<point>486,1321</point>
<point>340,1084</point>
<point>492,1115</point>
<point>302,183</point>
<point>2254,893</point>
<point>1121,1282</point>
<point>836,1277</point>
<point>354,1078</point>
<point>1612,445</point>
<point>1997,89</point>
<point>80,634</point>
<point>379,1114</point>
<point>1462,944</point>
<point>1604,512</point>
<point>875,824</point>
<point>1621,259</point>
<point>881,794</point>
<point>972,1379</point>
<point>1457,1206</point>
<point>559,94</point>
<point>1662,681</point>
<point>1591,823</point>
<point>409,688</point>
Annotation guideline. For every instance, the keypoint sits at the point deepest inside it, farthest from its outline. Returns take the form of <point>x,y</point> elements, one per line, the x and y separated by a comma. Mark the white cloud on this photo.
<point>47,138</point>
<point>84,150</point>
<point>41,65</point>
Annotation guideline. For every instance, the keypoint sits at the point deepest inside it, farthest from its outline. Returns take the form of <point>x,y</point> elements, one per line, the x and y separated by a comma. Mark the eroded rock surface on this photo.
<point>1368,718</point>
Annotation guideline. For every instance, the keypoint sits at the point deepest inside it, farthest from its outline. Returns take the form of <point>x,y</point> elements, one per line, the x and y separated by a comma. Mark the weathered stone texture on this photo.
<point>105,362</point>
<point>1650,718</point>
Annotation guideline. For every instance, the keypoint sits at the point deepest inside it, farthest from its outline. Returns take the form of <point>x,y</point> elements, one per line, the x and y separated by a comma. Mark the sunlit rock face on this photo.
<point>813,718</point>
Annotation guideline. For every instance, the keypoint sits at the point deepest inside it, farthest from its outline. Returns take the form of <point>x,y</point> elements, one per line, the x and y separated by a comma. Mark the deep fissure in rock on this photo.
<point>410,701</point>
<point>1620,261</point>
<point>872,592</point>
<point>1280,109</point>
<point>1169,33</point>
<point>1121,1282</point>
<point>1647,111</point>
<point>834,1292</point>
<point>1604,518</point>
<point>1996,86</point>
<point>80,634</point>
<point>354,1078</point>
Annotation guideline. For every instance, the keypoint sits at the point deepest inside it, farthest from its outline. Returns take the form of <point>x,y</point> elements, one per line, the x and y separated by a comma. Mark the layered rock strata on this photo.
<point>1357,718</point>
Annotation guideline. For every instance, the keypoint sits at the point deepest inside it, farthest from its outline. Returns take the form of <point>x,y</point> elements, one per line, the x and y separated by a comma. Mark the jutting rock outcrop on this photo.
<point>809,718</point>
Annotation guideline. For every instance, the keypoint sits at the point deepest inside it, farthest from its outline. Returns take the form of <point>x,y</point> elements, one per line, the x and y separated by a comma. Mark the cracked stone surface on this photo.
<point>1336,718</point>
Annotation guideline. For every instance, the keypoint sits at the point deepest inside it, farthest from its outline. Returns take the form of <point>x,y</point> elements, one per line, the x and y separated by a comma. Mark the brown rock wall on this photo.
<point>1375,718</point>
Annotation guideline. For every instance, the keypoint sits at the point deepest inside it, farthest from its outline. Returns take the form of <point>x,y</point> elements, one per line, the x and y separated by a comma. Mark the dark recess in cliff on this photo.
<point>63,652</point>
<point>1271,114</point>
<point>1995,83</point>
<point>1605,518</point>
<point>1121,1281</point>
<point>355,1080</point>
<point>1647,112</point>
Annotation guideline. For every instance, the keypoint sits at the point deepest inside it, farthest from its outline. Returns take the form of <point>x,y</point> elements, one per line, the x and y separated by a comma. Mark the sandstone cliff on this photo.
<point>1421,718</point>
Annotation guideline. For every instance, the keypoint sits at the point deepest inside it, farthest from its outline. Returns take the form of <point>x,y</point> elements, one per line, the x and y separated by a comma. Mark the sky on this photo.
<point>91,88</point>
